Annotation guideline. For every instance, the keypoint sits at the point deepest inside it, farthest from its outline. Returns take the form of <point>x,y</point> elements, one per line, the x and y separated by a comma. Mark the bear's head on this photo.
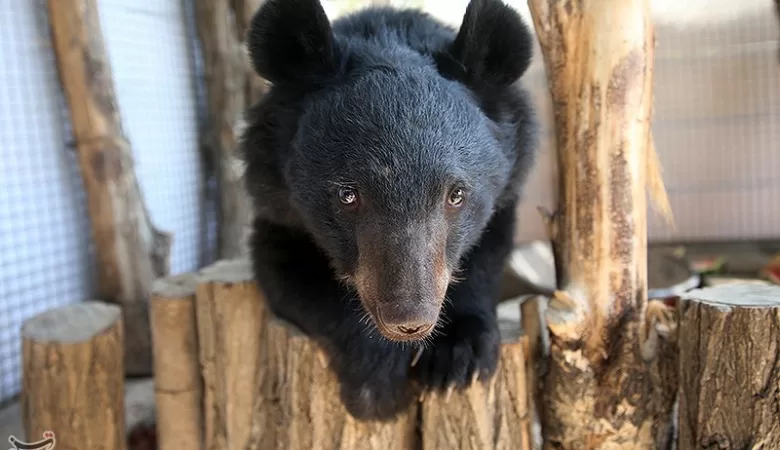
<point>392,157</point>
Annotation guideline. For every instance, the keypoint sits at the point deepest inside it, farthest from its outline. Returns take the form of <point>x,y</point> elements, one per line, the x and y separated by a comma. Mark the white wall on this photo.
<point>45,259</point>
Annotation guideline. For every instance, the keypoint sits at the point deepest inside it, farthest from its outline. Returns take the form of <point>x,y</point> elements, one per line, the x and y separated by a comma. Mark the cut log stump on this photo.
<point>729,338</point>
<point>73,377</point>
<point>266,385</point>
<point>177,383</point>
<point>496,415</point>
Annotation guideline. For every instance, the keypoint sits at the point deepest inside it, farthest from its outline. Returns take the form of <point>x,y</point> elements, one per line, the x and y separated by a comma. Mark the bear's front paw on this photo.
<point>466,351</point>
<point>375,383</point>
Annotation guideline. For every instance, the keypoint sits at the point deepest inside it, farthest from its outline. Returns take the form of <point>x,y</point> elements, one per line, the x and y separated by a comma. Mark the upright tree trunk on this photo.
<point>599,392</point>
<point>131,253</point>
<point>232,86</point>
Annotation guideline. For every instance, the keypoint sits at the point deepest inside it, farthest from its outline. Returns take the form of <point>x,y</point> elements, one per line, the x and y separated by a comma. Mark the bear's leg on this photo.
<point>300,288</point>
<point>466,343</point>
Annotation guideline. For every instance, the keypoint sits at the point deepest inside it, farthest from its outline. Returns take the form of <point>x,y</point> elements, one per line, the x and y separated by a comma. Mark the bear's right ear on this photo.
<point>292,41</point>
<point>493,46</point>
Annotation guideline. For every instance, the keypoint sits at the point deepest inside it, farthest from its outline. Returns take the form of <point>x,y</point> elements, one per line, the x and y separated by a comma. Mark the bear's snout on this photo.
<point>402,280</point>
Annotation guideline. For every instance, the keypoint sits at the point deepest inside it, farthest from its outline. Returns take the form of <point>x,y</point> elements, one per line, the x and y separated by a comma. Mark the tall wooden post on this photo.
<point>600,391</point>
<point>178,390</point>
<point>131,252</point>
<point>232,86</point>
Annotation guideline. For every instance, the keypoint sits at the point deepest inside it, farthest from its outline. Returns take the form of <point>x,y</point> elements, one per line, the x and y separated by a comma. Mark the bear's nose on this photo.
<point>406,321</point>
<point>414,329</point>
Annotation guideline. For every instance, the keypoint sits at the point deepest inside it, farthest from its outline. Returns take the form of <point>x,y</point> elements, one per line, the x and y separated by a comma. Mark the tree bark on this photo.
<point>73,377</point>
<point>177,381</point>
<point>230,317</point>
<point>299,407</point>
<point>269,387</point>
<point>131,253</point>
<point>599,391</point>
<point>492,416</point>
<point>730,368</point>
<point>232,86</point>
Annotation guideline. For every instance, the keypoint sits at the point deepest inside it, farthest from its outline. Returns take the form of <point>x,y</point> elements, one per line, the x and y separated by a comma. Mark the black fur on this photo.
<point>404,109</point>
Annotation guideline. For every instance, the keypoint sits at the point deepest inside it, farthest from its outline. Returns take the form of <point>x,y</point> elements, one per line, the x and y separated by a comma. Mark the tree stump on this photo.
<point>496,415</point>
<point>177,381</point>
<point>268,386</point>
<point>230,317</point>
<point>298,406</point>
<point>131,253</point>
<point>600,390</point>
<point>73,377</point>
<point>729,338</point>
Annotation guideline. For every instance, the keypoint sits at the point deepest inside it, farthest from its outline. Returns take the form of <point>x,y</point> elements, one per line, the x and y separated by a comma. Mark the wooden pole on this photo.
<point>232,86</point>
<point>268,386</point>
<point>230,318</point>
<point>599,391</point>
<point>177,382</point>
<point>131,253</point>
<point>73,377</point>
<point>729,339</point>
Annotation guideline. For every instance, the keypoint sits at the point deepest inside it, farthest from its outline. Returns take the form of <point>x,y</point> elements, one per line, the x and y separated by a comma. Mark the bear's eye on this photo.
<point>348,196</point>
<point>456,197</point>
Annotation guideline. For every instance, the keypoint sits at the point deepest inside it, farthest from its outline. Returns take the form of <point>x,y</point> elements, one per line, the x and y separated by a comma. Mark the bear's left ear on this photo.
<point>493,46</point>
<point>292,41</point>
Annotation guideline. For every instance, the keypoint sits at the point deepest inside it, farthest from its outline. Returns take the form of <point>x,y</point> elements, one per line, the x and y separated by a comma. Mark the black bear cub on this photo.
<point>385,163</point>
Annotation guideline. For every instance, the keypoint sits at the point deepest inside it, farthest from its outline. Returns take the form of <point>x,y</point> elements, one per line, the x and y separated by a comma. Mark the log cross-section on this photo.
<point>599,391</point>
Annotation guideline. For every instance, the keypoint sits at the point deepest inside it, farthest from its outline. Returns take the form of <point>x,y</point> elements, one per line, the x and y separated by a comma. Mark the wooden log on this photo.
<point>131,253</point>
<point>299,407</point>
<point>231,86</point>
<point>73,376</point>
<point>600,391</point>
<point>496,415</point>
<point>532,320</point>
<point>268,386</point>
<point>230,318</point>
<point>729,338</point>
<point>177,381</point>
